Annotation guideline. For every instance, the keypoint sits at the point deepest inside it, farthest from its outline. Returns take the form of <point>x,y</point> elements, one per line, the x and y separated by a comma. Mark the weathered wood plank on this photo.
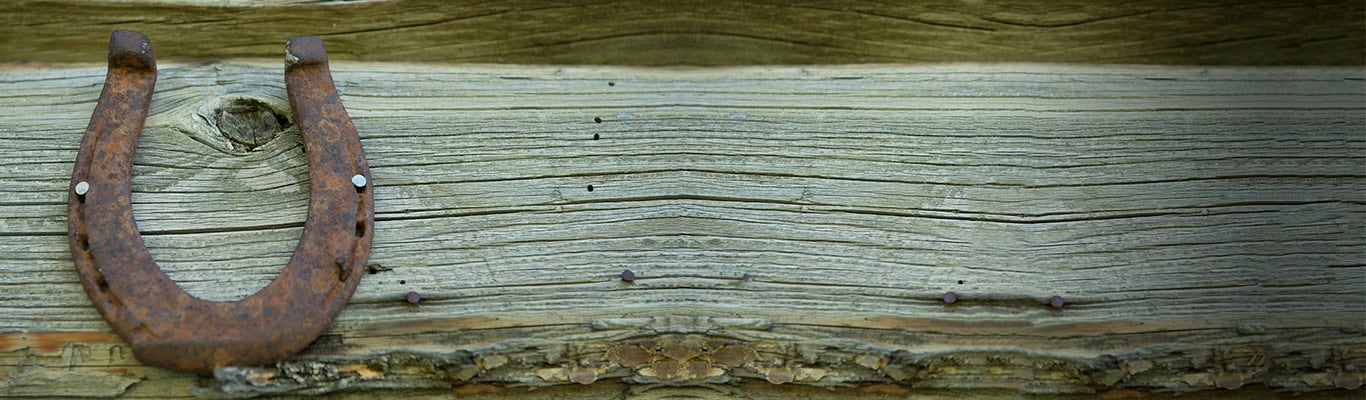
<point>786,225</point>
<point>704,32</point>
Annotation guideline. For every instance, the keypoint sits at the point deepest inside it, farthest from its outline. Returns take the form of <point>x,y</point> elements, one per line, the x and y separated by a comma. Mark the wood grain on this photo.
<point>703,32</point>
<point>786,225</point>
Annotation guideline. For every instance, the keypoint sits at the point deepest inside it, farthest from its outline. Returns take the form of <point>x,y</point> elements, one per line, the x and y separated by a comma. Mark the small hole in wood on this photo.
<point>960,282</point>
<point>596,137</point>
<point>611,83</point>
<point>590,188</point>
<point>402,282</point>
<point>597,120</point>
<point>376,268</point>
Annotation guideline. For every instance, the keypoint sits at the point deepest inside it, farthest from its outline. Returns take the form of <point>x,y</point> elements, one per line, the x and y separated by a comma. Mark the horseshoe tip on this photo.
<point>304,51</point>
<point>131,49</point>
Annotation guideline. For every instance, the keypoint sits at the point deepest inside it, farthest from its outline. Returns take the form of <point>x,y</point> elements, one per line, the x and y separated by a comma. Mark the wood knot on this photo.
<point>248,123</point>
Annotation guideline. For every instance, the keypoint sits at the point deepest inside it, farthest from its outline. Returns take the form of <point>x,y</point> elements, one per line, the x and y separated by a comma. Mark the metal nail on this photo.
<point>82,188</point>
<point>359,180</point>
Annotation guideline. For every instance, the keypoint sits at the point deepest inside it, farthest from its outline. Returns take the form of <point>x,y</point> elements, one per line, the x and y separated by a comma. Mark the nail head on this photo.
<point>359,180</point>
<point>628,276</point>
<point>82,188</point>
<point>413,298</point>
<point>1056,301</point>
<point>950,297</point>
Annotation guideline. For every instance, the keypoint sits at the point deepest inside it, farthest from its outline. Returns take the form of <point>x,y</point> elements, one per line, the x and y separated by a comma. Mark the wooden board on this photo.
<point>705,32</point>
<point>792,229</point>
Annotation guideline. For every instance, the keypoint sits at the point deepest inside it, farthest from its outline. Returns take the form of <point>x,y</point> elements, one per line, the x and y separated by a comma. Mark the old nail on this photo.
<point>628,276</point>
<point>950,297</point>
<point>1055,301</point>
<point>359,180</point>
<point>82,188</point>
<point>413,298</point>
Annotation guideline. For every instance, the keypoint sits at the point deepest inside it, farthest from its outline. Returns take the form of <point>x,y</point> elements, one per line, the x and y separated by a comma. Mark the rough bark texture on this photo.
<point>789,230</point>
<point>707,32</point>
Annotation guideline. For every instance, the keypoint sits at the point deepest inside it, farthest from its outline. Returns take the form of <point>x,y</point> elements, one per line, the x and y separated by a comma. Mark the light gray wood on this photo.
<point>1204,226</point>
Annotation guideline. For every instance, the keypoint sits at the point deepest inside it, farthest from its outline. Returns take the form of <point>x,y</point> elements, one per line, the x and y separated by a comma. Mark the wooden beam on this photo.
<point>785,226</point>
<point>704,32</point>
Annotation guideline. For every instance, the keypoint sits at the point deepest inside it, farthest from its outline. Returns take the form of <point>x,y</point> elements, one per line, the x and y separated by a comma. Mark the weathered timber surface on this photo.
<point>706,32</point>
<point>790,230</point>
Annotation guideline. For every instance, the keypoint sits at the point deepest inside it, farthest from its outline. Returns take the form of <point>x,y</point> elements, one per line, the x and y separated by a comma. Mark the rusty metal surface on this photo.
<point>166,326</point>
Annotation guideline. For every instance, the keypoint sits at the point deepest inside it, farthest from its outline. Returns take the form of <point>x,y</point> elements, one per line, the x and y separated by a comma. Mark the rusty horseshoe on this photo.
<point>168,327</point>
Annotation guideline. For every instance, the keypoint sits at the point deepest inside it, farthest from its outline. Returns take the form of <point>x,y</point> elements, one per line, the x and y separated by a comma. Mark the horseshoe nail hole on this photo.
<point>249,123</point>
<point>360,228</point>
<point>103,284</point>
<point>84,241</point>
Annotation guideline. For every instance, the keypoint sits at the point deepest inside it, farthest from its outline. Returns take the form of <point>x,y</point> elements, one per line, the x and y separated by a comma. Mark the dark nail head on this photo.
<point>628,276</point>
<point>413,298</point>
<point>950,297</point>
<point>1055,301</point>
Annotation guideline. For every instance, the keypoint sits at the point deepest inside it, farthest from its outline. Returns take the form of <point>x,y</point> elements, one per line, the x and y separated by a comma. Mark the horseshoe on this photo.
<point>168,327</point>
